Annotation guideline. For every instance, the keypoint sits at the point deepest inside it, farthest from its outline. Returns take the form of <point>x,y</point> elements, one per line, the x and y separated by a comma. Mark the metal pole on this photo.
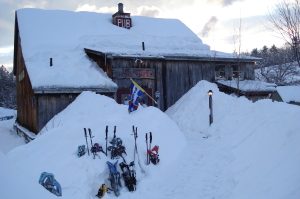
<point>211,110</point>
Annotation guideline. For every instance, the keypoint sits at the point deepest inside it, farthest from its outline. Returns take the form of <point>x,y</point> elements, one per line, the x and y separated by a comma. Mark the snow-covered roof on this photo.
<point>59,35</point>
<point>289,93</point>
<point>63,36</point>
<point>249,85</point>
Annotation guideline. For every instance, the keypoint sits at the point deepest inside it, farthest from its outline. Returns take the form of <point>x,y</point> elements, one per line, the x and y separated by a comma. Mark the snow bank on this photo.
<point>55,149</point>
<point>7,112</point>
<point>8,139</point>
<point>289,93</point>
<point>261,140</point>
<point>16,183</point>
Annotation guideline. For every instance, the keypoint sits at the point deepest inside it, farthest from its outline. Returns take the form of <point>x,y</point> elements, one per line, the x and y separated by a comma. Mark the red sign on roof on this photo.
<point>123,22</point>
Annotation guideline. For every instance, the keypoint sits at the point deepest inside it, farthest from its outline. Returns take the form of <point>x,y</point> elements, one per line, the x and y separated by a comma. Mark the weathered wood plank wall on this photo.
<point>51,104</point>
<point>173,77</point>
<point>27,113</point>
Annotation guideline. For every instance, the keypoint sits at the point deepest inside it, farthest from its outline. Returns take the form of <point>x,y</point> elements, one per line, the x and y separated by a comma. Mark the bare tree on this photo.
<point>237,41</point>
<point>277,66</point>
<point>286,23</point>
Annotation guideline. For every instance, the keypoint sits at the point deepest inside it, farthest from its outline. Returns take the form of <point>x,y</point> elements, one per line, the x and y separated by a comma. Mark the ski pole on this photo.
<point>90,132</point>
<point>86,141</point>
<point>115,132</point>
<point>135,136</point>
<point>106,139</point>
<point>150,145</point>
<point>147,146</point>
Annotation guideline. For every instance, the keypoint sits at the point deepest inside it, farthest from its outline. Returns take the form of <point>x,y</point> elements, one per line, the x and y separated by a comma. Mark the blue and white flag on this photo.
<point>135,92</point>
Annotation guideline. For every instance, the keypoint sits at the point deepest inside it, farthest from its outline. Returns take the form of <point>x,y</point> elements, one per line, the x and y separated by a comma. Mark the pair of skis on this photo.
<point>148,149</point>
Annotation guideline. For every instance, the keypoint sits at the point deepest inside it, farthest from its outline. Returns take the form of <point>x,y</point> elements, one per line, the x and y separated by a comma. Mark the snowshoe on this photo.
<point>117,152</point>
<point>114,178</point>
<point>128,175</point>
<point>47,180</point>
<point>116,142</point>
<point>81,150</point>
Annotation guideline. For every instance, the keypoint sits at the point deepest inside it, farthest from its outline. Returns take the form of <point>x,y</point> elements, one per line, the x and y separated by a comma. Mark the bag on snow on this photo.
<point>153,154</point>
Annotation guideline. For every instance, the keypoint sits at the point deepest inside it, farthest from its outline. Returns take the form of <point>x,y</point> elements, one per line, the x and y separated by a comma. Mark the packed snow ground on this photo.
<point>250,151</point>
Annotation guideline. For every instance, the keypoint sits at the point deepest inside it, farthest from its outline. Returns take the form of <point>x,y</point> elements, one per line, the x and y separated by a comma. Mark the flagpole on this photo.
<point>143,90</point>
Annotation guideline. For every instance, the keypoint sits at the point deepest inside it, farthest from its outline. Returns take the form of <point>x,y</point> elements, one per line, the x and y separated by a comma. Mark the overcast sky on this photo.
<point>214,21</point>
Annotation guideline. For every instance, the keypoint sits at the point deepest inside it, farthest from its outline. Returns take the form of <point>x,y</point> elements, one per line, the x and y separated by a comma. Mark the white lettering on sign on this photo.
<point>124,22</point>
<point>134,73</point>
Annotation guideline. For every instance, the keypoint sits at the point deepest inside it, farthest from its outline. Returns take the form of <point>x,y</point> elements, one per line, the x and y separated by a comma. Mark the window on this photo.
<point>220,72</point>
<point>235,71</point>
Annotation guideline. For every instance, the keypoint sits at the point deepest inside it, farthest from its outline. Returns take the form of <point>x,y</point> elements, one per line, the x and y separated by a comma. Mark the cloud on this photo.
<point>223,3</point>
<point>93,8</point>
<point>142,10</point>
<point>210,24</point>
<point>37,4</point>
<point>148,11</point>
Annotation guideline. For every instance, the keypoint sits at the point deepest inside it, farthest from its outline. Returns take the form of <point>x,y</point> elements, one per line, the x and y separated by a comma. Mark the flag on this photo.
<point>135,92</point>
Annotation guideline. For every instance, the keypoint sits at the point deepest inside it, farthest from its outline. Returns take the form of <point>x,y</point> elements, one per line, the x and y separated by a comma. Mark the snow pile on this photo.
<point>8,139</point>
<point>55,150</point>
<point>7,112</point>
<point>260,141</point>
<point>289,93</point>
<point>251,150</point>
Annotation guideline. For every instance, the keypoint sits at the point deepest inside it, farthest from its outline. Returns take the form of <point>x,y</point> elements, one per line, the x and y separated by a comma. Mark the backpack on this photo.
<point>153,154</point>
<point>101,191</point>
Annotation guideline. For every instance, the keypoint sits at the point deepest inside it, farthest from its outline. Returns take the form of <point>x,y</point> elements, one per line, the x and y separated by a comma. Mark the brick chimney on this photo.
<point>122,19</point>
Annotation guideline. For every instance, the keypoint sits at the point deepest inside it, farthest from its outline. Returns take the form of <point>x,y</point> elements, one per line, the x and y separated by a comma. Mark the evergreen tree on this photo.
<point>278,65</point>
<point>7,89</point>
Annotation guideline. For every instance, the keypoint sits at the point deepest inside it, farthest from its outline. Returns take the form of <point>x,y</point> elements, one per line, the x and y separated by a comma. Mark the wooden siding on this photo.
<point>173,78</point>
<point>51,104</point>
<point>26,110</point>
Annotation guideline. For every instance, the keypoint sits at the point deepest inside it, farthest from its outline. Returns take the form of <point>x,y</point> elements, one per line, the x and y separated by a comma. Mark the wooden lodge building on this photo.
<point>58,54</point>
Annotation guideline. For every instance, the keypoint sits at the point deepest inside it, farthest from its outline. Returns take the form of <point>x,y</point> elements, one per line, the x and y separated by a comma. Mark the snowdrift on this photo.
<point>55,148</point>
<point>251,150</point>
<point>260,140</point>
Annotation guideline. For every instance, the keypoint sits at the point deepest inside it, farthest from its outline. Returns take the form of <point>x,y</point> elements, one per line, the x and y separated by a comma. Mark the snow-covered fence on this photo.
<point>23,132</point>
<point>6,118</point>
